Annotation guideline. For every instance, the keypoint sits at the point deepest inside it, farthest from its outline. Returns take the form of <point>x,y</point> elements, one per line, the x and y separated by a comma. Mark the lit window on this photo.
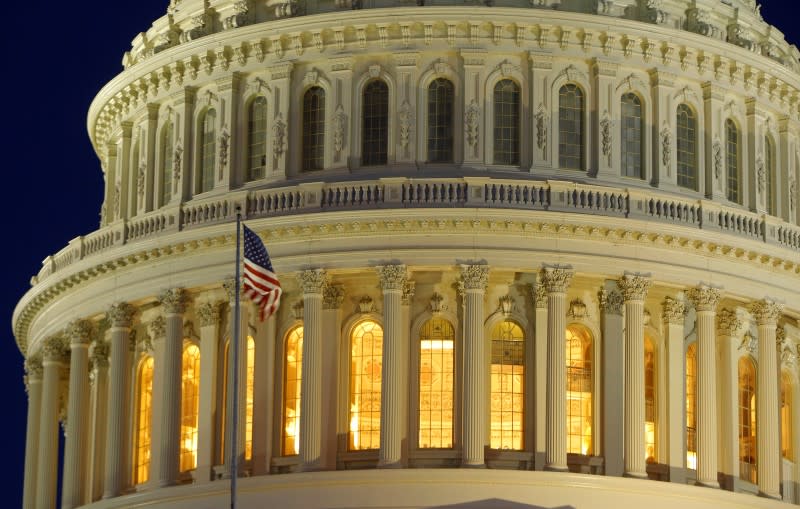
<point>632,141</point>
<point>314,129</point>
<point>570,127</point>
<point>441,95</point>
<point>144,414</point>
<point>257,138</point>
<point>208,150</point>
<point>250,370</point>
<point>366,351</point>
<point>769,168</point>
<point>375,123</point>
<point>436,373</point>
<point>748,453</point>
<point>787,432</point>
<point>292,378</point>
<point>687,147</point>
<point>190,406</point>
<point>732,160</point>
<point>649,400</point>
<point>166,164</point>
<point>579,390</point>
<point>691,406</point>
<point>506,122</point>
<point>507,386</point>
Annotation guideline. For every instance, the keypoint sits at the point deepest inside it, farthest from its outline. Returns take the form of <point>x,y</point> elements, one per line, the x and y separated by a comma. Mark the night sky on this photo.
<point>56,57</point>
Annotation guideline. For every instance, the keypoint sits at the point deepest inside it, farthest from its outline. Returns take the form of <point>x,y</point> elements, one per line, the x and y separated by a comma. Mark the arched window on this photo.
<point>507,410</point>
<point>249,398</point>
<point>441,94</point>
<point>631,139</point>
<point>314,129</point>
<point>748,453</point>
<point>570,127</point>
<point>375,123</point>
<point>292,378</point>
<point>366,351</point>
<point>732,160</point>
<point>687,147</point>
<point>506,122</point>
<point>579,390</point>
<point>190,406</point>
<point>649,400</point>
<point>208,149</point>
<point>144,416</point>
<point>256,139</point>
<point>165,184</point>
<point>691,406</point>
<point>436,374</point>
<point>787,407</point>
<point>769,169</point>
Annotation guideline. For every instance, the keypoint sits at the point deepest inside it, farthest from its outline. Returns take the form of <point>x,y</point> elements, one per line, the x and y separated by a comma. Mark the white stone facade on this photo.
<point>652,266</point>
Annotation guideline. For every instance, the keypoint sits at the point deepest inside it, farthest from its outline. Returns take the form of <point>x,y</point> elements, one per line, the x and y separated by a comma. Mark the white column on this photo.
<point>634,290</point>
<point>116,460</point>
<point>556,281</point>
<point>208,317</point>
<point>263,395</point>
<point>729,326</point>
<point>240,419</point>
<point>767,314</point>
<point>611,304</point>
<point>474,279</point>
<point>392,280</point>
<point>312,282</point>
<point>408,296</point>
<point>173,302</point>
<point>75,456</point>
<point>33,379</point>
<point>673,314</point>
<point>538,402</point>
<point>705,301</point>
<point>332,297</point>
<point>98,419</point>
<point>53,353</point>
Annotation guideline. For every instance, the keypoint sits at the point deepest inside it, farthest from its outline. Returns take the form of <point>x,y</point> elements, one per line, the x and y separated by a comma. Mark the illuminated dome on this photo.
<point>535,254</point>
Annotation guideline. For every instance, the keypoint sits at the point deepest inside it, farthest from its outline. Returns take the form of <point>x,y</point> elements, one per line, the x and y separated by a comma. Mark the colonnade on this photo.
<point>99,426</point>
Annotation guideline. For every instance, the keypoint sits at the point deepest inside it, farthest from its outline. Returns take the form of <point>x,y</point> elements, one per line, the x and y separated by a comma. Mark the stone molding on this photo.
<point>475,277</point>
<point>392,277</point>
<point>173,301</point>
<point>673,311</point>
<point>121,314</point>
<point>634,287</point>
<point>766,312</point>
<point>312,281</point>
<point>703,298</point>
<point>556,279</point>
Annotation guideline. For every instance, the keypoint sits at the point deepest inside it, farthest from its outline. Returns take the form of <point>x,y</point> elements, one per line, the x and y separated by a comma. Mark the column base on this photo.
<point>556,468</point>
<point>390,464</point>
<point>772,496</point>
<point>635,475</point>
<point>473,465</point>
<point>707,484</point>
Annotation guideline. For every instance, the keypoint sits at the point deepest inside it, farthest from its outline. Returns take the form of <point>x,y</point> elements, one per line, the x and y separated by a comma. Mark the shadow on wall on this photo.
<point>496,503</point>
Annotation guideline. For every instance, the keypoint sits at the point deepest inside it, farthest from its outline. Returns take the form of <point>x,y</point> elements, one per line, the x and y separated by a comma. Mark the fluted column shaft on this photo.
<point>119,383</point>
<point>173,303</point>
<point>705,301</point>
<point>240,395</point>
<point>312,282</point>
<point>728,327</point>
<point>540,376</point>
<point>33,367</point>
<point>75,454</point>
<point>766,314</point>
<point>556,282</point>
<point>474,279</point>
<point>392,279</point>
<point>208,314</point>
<point>47,463</point>
<point>99,420</point>
<point>675,381</point>
<point>634,290</point>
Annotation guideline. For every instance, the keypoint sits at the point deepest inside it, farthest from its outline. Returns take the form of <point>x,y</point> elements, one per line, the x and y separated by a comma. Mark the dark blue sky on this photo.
<point>56,55</point>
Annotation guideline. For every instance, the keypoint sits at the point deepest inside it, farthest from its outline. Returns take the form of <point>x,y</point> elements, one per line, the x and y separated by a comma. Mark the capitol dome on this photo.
<point>535,254</point>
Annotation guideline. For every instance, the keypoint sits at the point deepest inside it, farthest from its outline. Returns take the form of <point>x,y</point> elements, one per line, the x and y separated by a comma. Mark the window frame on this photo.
<point>583,128</point>
<point>249,108</point>
<point>642,120</point>
<point>323,149</point>
<point>694,164</point>
<point>203,171</point>
<point>733,172</point>
<point>492,117</point>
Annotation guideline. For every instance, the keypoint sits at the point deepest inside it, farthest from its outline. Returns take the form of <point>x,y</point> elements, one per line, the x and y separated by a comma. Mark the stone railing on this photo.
<point>398,193</point>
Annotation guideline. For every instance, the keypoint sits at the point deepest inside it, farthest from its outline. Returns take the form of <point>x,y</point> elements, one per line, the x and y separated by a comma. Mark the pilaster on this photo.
<point>607,101</point>
<point>672,316</point>
<point>406,104</point>
<point>98,419</point>
<point>278,145</point>
<point>263,395</point>
<point>75,456</point>
<point>474,107</point>
<point>611,307</point>
<point>474,279</point>
<point>715,180</point>
<point>208,315</point>
<point>540,374</point>
<point>665,163</point>
<point>332,297</point>
<point>182,186</point>
<point>729,328</point>
<point>312,283</point>
<point>539,92</point>
<point>123,179</point>
<point>229,168</point>
<point>341,73</point>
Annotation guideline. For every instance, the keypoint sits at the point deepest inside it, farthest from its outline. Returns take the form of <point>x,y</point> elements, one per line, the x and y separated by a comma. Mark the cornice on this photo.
<point>437,222</point>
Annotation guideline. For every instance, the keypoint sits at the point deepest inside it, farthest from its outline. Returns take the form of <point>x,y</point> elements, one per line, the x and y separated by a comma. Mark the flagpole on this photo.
<point>234,420</point>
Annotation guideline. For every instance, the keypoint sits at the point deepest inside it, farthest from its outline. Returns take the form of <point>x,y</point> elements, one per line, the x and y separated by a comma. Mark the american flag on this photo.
<point>261,284</point>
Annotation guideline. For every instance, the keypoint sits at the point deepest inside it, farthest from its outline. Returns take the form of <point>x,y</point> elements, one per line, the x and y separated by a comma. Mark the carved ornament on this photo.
<point>634,287</point>
<point>704,298</point>
<point>120,314</point>
<point>556,279</point>
<point>298,309</point>
<point>158,327</point>
<point>365,305</point>
<point>392,277</point>
<point>173,301</point>
<point>208,314</point>
<point>475,277</point>
<point>766,312</point>
<point>332,296</point>
<point>409,289</point>
<point>312,281</point>
<point>99,354</point>
<point>673,310</point>
<point>79,332</point>
<point>729,323</point>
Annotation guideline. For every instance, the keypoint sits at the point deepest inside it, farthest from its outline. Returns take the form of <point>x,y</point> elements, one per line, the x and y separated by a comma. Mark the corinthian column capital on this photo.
<point>99,354</point>
<point>332,296</point>
<point>173,301</point>
<point>704,298</point>
<point>33,366</point>
<point>610,302</point>
<point>392,277</point>
<point>312,281</point>
<point>728,322</point>
<point>634,286</point>
<point>121,314</point>
<point>79,332</point>
<point>556,279</point>
<point>54,349</point>
<point>475,277</point>
<point>673,310</point>
<point>208,314</point>
<point>766,312</point>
